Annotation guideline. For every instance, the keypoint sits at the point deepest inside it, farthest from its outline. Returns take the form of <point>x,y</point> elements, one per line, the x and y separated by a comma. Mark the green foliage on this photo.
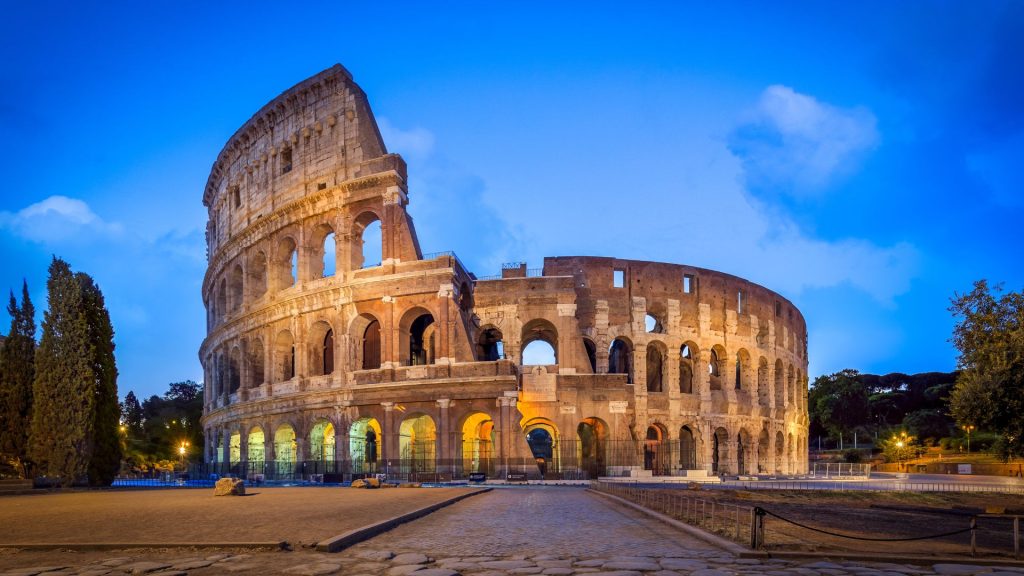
<point>65,386</point>
<point>106,455</point>
<point>17,372</point>
<point>989,392</point>
<point>158,426</point>
<point>899,447</point>
<point>838,402</point>
<point>928,423</point>
<point>852,456</point>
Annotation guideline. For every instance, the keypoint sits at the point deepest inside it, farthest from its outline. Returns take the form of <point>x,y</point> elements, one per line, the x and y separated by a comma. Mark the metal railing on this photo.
<point>727,520</point>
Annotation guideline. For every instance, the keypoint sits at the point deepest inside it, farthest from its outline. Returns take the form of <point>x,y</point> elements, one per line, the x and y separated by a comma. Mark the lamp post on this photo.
<point>968,429</point>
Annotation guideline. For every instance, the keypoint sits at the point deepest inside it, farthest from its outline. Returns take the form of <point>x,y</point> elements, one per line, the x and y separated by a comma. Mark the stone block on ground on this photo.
<point>229,487</point>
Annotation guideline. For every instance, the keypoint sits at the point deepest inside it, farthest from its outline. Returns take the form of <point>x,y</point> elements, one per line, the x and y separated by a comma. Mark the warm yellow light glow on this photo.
<point>899,444</point>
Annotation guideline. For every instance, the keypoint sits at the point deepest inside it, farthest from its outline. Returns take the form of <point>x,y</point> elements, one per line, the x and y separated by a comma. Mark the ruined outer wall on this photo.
<point>310,164</point>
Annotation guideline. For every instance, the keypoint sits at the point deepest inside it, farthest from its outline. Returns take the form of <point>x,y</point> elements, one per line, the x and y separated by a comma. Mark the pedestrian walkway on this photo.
<point>537,530</point>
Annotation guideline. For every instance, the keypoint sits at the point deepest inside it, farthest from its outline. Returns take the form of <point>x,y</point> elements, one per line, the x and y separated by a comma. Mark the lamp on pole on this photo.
<point>968,429</point>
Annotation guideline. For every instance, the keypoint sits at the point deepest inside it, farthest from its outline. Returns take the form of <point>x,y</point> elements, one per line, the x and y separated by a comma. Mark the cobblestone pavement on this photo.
<point>544,531</point>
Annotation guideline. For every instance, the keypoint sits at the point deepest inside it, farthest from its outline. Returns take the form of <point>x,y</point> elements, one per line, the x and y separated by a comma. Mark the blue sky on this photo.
<point>863,159</point>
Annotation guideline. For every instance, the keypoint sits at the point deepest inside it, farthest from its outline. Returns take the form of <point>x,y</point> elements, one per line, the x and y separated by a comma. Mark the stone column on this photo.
<point>243,453</point>
<point>504,433</point>
<point>445,324</point>
<point>226,449</point>
<point>444,432</point>
<point>389,443</point>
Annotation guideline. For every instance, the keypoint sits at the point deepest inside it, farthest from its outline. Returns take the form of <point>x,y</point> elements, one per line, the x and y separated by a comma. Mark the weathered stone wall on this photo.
<point>299,348</point>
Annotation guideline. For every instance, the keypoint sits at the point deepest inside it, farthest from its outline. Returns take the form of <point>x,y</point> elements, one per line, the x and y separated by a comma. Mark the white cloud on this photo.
<point>795,143</point>
<point>56,219</point>
<point>417,143</point>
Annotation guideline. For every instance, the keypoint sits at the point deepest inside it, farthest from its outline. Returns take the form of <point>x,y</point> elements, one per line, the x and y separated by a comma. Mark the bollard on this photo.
<point>1016,537</point>
<point>974,537</point>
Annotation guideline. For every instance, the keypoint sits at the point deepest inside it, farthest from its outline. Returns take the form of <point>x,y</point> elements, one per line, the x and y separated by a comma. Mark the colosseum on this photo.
<point>336,347</point>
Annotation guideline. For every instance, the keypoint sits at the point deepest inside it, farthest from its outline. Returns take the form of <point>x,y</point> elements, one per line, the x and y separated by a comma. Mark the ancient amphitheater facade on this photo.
<point>319,361</point>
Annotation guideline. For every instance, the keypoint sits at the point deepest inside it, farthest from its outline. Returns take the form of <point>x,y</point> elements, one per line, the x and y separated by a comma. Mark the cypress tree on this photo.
<point>106,445</point>
<point>17,372</point>
<point>63,416</point>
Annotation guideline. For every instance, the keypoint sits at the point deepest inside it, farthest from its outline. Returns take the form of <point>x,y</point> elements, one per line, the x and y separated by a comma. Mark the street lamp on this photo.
<point>968,428</point>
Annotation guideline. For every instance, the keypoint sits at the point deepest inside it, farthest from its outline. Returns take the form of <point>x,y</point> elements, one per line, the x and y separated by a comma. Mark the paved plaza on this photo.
<point>510,531</point>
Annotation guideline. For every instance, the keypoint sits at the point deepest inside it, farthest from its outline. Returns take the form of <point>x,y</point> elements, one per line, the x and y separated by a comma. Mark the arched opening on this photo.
<point>780,450</point>
<point>287,263</point>
<point>593,436</point>
<point>542,438</point>
<point>256,448</point>
<point>687,352</point>
<point>364,444</point>
<point>591,349</point>
<point>285,449</point>
<point>719,442</point>
<point>620,359</point>
<point>652,325</point>
<point>780,388</point>
<point>368,248</point>
<point>330,261</point>
<point>258,275</point>
<point>715,367</point>
<point>687,449</point>
<point>236,288</point>
<point>371,346</point>
<point>321,442</point>
<point>742,370</point>
<point>222,300</point>
<point>742,451</point>
<point>656,453</point>
<point>538,353</point>
<point>655,367</point>
<point>791,386</point>
<point>763,392</point>
<point>256,372</point>
<point>234,372</point>
<point>321,349</point>
<point>421,341</point>
<point>235,448</point>
<point>478,443</point>
<point>540,343</point>
<point>490,345</point>
<point>762,452</point>
<point>284,353</point>
<point>417,444</point>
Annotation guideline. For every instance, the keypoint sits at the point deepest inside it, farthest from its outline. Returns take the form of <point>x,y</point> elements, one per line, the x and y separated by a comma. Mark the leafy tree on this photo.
<point>63,415</point>
<point>838,403</point>
<point>164,423</point>
<point>17,371</point>
<point>928,423</point>
<point>989,391</point>
<point>131,414</point>
<point>106,454</point>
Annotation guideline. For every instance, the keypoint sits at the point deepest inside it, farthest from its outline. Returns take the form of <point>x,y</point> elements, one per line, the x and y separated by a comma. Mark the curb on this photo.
<point>896,558</point>
<point>342,541</point>
<point>713,539</point>
<point>78,546</point>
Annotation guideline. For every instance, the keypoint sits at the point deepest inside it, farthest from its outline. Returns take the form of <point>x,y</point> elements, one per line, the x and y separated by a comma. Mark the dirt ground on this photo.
<point>299,516</point>
<point>868,514</point>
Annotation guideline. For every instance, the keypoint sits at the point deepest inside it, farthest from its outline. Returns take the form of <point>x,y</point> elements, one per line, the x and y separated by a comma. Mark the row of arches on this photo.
<point>589,449</point>
<point>226,365</point>
<point>286,262</point>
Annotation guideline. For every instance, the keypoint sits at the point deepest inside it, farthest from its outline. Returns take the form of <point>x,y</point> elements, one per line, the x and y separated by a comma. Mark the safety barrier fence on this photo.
<point>748,525</point>
<point>727,520</point>
<point>873,485</point>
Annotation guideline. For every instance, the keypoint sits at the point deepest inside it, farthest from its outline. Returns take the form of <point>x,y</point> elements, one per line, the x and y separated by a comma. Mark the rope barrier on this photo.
<point>795,523</point>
